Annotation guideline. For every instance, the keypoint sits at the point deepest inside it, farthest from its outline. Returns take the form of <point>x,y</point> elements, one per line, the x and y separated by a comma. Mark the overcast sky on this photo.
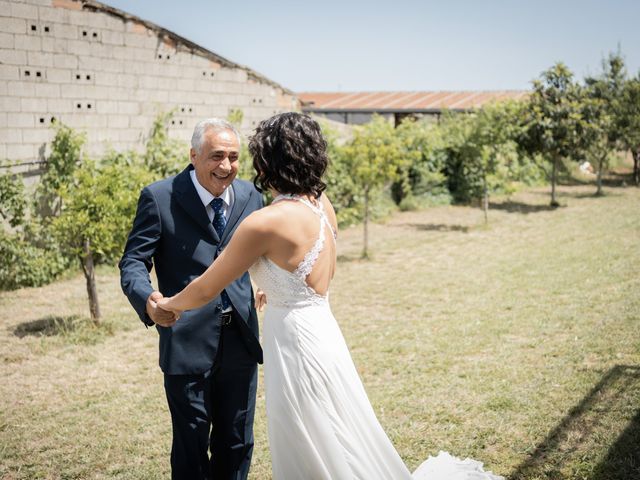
<point>357,45</point>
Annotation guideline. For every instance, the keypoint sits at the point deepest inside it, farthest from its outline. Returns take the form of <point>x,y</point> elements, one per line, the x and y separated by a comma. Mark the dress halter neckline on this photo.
<point>292,196</point>
<point>316,208</point>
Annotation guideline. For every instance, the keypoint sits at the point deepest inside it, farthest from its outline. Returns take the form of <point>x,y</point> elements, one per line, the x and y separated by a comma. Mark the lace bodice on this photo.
<point>289,289</point>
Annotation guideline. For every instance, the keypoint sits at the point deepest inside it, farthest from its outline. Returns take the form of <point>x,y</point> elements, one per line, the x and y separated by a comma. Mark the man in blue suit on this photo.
<point>209,358</point>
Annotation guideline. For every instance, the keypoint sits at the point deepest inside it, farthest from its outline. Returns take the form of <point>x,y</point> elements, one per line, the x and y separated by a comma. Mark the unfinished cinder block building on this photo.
<point>108,73</point>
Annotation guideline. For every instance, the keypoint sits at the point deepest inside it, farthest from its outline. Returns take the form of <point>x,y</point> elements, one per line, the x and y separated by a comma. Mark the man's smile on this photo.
<point>221,176</point>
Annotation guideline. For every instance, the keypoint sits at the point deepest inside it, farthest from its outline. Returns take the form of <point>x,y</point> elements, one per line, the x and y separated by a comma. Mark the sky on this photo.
<point>404,45</point>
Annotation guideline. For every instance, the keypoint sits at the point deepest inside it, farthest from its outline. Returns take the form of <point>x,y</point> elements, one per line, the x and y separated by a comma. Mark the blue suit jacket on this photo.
<point>172,232</point>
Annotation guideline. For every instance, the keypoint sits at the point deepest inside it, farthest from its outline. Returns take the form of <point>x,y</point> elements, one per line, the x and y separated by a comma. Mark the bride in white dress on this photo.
<point>320,422</point>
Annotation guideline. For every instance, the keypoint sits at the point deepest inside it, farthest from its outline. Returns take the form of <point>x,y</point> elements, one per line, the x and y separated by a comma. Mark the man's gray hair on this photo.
<point>215,124</point>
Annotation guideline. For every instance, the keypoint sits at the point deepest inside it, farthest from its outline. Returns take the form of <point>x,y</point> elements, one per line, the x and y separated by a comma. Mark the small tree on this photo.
<point>553,120</point>
<point>12,200</point>
<point>97,208</point>
<point>628,122</point>
<point>164,155</point>
<point>601,101</point>
<point>480,151</point>
<point>492,147</point>
<point>65,158</point>
<point>374,160</point>
<point>341,188</point>
<point>28,255</point>
<point>422,170</point>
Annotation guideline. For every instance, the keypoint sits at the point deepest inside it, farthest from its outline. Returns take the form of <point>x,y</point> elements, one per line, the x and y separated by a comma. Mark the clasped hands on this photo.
<point>167,318</point>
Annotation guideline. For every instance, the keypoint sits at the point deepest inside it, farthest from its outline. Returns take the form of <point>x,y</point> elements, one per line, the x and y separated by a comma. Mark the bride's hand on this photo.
<point>261,299</point>
<point>165,304</point>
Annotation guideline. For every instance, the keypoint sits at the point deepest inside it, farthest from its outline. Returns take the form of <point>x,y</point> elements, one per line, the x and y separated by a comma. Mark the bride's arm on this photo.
<point>248,243</point>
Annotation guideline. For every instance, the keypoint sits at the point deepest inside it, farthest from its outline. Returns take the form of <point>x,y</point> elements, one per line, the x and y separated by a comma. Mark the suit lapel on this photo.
<point>242,193</point>
<point>187,197</point>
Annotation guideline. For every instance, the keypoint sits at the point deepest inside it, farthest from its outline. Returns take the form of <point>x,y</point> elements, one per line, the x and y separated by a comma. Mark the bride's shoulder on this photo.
<point>328,208</point>
<point>265,219</point>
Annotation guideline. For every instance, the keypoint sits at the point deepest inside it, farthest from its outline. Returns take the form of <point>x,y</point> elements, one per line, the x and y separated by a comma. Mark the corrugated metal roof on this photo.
<point>403,101</point>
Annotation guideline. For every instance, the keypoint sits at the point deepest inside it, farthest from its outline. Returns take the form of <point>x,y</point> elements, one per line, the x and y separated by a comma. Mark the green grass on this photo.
<point>516,344</point>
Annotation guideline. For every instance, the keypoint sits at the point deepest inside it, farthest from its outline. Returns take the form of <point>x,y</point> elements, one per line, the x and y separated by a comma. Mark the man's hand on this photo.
<point>261,300</point>
<point>159,316</point>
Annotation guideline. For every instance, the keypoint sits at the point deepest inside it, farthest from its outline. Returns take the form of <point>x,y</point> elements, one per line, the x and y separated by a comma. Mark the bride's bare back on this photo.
<point>282,232</point>
<point>298,223</point>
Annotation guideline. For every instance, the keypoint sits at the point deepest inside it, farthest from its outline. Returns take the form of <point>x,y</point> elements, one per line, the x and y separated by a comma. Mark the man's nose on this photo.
<point>225,164</point>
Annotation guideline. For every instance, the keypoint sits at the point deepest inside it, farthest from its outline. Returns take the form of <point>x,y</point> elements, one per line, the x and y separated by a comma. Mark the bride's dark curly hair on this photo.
<point>289,154</point>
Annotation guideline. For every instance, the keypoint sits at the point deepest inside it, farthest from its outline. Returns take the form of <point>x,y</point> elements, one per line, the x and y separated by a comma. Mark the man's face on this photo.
<point>216,164</point>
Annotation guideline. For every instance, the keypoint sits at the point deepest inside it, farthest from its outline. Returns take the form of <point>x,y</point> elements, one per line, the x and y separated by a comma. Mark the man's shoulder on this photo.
<point>161,185</point>
<point>164,186</point>
<point>244,184</point>
<point>245,188</point>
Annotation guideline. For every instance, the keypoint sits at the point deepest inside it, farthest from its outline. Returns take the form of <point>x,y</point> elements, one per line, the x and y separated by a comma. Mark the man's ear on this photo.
<point>192,155</point>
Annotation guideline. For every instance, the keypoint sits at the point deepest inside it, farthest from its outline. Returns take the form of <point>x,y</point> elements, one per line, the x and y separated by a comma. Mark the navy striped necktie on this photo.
<point>219,224</point>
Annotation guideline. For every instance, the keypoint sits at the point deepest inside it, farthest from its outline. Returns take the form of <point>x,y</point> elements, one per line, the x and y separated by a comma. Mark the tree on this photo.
<point>65,158</point>
<point>492,148</point>
<point>628,122</point>
<point>422,170</point>
<point>28,255</point>
<point>164,155</point>
<point>12,201</point>
<point>341,187</point>
<point>481,151</point>
<point>374,160</point>
<point>601,101</point>
<point>82,209</point>
<point>553,119</point>
<point>97,208</point>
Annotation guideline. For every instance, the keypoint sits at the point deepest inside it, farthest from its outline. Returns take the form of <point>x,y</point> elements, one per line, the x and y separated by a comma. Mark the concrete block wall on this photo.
<point>110,74</point>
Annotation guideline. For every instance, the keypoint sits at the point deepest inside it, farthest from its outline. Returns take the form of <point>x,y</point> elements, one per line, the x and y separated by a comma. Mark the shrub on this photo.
<point>23,264</point>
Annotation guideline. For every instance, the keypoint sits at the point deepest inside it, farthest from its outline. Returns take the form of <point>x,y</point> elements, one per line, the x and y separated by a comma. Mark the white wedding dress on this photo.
<point>320,422</point>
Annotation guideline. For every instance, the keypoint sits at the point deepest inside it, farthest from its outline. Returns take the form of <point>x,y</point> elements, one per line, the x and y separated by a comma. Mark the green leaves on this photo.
<point>555,113</point>
<point>163,155</point>
<point>98,205</point>
<point>481,151</point>
<point>66,156</point>
<point>77,199</point>
<point>12,200</point>
<point>374,154</point>
<point>25,264</point>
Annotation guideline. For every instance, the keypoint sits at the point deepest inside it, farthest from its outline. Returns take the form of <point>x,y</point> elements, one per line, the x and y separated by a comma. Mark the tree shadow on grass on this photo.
<point>436,227</point>
<point>519,207</point>
<point>596,417</point>
<point>613,179</point>
<point>47,326</point>
<point>605,193</point>
<point>616,179</point>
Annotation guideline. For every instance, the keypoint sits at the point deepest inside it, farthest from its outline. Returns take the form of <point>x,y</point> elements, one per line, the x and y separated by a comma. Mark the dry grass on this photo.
<point>506,343</point>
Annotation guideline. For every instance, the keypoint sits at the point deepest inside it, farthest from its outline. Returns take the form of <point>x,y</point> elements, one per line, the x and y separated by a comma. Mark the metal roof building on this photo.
<point>358,107</point>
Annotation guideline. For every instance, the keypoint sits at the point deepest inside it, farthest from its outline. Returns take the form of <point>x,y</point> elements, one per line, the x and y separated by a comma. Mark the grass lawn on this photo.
<point>517,344</point>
